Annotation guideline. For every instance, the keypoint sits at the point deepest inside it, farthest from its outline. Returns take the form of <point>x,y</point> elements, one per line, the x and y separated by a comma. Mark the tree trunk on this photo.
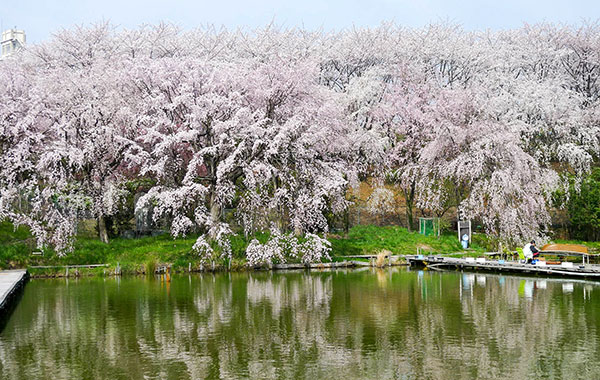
<point>215,209</point>
<point>409,216</point>
<point>409,197</point>
<point>346,221</point>
<point>102,229</point>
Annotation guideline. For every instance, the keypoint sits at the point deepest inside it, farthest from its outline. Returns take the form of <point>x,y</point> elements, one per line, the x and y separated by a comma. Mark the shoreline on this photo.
<point>106,270</point>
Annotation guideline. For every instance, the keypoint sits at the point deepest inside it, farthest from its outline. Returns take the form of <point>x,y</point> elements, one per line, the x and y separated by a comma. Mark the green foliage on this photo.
<point>445,226</point>
<point>583,208</point>
<point>8,234</point>
<point>150,266</point>
<point>398,240</point>
<point>484,241</point>
<point>16,245</point>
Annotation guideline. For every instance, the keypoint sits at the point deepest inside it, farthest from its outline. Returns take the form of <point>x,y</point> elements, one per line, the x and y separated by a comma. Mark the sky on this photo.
<point>40,19</point>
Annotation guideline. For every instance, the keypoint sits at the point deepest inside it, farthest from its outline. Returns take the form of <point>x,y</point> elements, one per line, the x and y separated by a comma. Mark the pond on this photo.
<point>346,324</point>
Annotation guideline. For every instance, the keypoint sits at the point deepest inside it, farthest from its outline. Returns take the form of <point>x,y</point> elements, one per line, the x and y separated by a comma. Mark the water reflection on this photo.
<point>385,324</point>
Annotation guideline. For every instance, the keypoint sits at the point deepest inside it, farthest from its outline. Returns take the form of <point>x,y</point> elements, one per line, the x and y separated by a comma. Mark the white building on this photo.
<point>12,40</point>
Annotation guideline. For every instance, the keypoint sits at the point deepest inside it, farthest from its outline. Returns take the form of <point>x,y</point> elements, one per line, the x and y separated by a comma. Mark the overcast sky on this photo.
<point>41,18</point>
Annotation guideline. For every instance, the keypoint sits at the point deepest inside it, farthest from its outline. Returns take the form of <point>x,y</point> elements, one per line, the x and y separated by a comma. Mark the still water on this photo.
<point>345,324</point>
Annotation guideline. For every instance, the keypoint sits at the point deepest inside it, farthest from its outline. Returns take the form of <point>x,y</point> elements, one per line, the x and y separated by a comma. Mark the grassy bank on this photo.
<point>147,253</point>
<point>372,239</point>
<point>130,255</point>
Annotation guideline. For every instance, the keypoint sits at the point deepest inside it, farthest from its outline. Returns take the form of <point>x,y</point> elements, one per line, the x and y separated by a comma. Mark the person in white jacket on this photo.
<point>530,251</point>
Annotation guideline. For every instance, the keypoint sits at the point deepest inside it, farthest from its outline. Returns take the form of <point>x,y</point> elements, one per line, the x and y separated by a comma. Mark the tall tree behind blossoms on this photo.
<point>535,92</point>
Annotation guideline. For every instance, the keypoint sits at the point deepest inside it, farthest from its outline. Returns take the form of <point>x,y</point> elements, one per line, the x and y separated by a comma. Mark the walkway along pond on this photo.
<point>565,269</point>
<point>11,283</point>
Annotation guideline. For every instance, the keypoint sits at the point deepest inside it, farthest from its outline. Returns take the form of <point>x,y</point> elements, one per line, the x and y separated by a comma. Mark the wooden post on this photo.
<point>470,232</point>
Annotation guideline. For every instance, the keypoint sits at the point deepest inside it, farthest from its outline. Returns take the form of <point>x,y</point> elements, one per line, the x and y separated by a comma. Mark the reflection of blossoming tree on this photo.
<point>352,324</point>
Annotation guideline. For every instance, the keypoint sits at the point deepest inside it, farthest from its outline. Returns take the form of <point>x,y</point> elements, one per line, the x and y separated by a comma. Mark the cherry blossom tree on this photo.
<point>264,138</point>
<point>266,130</point>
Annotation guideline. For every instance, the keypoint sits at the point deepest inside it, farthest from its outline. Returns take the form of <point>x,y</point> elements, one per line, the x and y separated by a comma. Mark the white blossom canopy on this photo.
<point>277,124</point>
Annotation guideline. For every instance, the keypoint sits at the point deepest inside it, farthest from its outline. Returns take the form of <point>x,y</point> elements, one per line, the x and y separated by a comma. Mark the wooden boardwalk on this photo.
<point>570,270</point>
<point>11,282</point>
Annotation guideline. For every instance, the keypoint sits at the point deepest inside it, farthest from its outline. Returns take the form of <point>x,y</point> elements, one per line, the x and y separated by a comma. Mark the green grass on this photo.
<point>143,254</point>
<point>132,255</point>
<point>146,253</point>
<point>363,240</point>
